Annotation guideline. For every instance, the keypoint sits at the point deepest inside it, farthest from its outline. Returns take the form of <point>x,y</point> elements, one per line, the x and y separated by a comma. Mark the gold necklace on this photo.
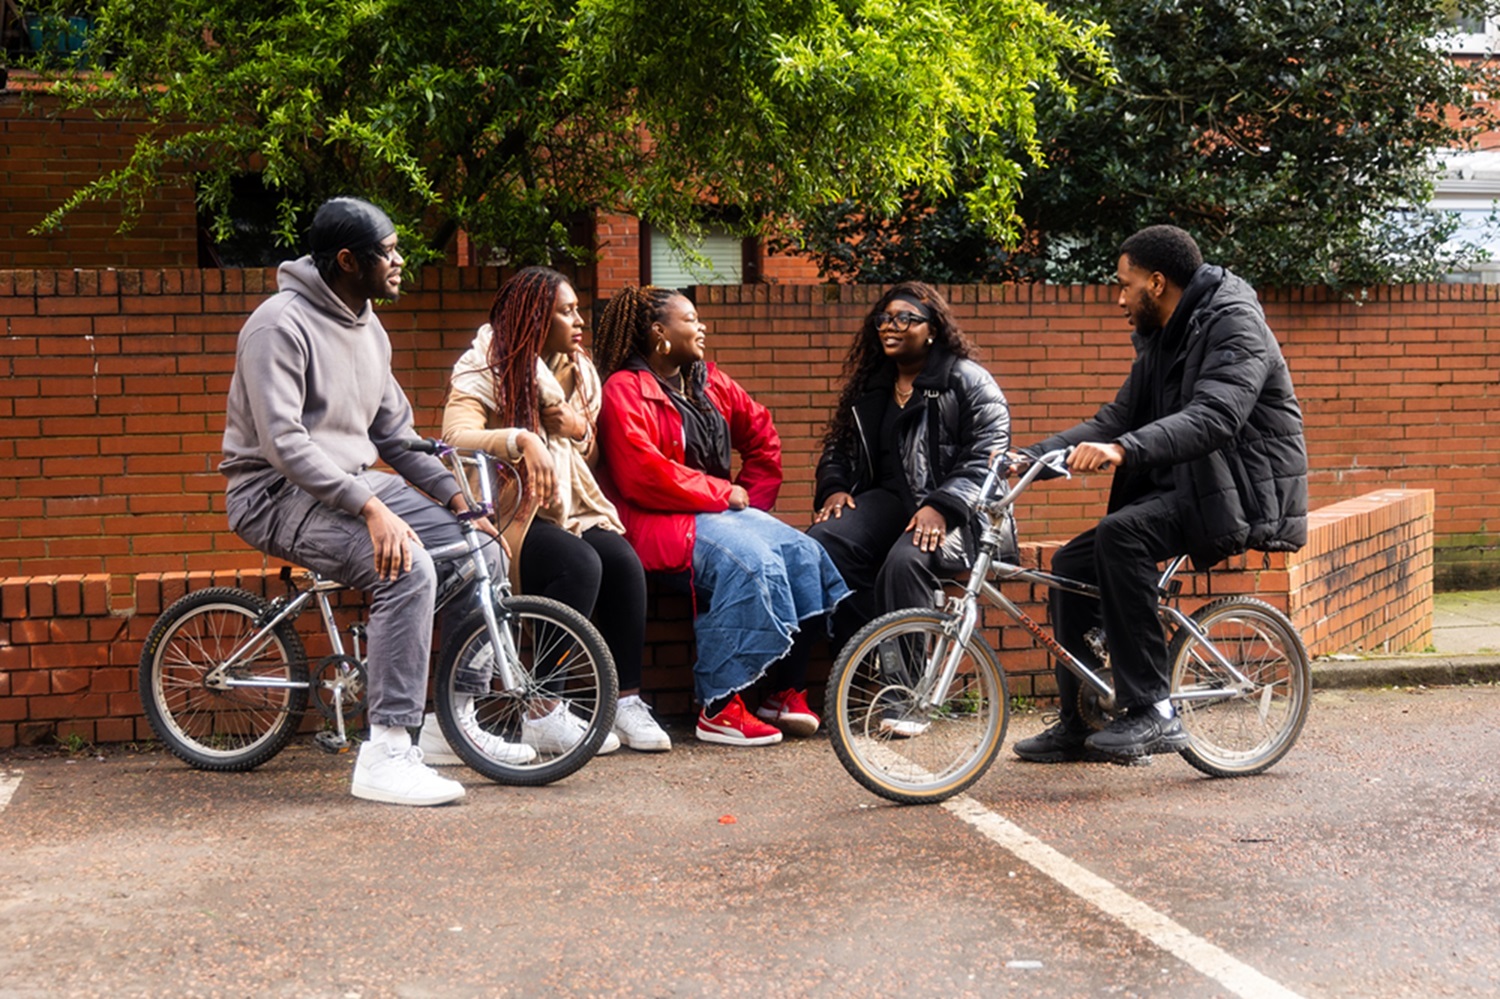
<point>902,399</point>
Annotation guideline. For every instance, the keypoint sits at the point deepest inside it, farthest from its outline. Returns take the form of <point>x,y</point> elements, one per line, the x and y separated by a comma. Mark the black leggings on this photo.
<point>579,570</point>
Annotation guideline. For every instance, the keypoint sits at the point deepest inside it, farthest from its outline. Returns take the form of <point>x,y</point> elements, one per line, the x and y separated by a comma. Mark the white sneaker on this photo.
<point>637,729</point>
<point>559,731</point>
<point>400,778</point>
<point>903,728</point>
<point>437,753</point>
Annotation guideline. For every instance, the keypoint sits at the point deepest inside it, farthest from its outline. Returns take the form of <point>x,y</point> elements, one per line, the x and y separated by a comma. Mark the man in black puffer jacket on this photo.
<point>1205,440</point>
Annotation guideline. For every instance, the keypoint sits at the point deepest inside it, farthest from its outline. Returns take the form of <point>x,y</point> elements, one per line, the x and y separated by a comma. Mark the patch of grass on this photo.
<point>1021,704</point>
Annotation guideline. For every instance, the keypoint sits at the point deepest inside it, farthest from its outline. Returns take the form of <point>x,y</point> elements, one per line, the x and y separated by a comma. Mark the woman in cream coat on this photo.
<point>527,392</point>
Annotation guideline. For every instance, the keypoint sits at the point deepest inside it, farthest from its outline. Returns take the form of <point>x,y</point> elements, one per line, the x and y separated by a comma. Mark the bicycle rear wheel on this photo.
<point>205,724</point>
<point>1236,733</point>
<point>882,726</point>
<point>561,660</point>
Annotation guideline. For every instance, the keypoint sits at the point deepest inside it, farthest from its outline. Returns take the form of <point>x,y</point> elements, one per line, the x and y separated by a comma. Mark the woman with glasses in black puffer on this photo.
<point>904,456</point>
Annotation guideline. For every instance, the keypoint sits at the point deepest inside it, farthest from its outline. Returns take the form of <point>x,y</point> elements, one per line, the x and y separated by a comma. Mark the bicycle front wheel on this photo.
<point>560,664</point>
<point>190,698</point>
<point>1234,731</point>
<point>887,729</point>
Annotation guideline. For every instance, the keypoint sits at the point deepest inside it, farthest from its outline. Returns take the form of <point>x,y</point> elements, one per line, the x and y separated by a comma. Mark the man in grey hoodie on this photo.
<point>312,406</point>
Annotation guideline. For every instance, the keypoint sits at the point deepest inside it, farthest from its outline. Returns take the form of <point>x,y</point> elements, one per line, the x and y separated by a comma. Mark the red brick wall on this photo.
<point>1364,580</point>
<point>112,386</point>
<point>44,160</point>
<point>618,241</point>
<point>1400,388</point>
<point>68,666</point>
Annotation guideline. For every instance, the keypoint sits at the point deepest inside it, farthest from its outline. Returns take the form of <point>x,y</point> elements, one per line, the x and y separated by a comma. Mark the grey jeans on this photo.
<point>291,525</point>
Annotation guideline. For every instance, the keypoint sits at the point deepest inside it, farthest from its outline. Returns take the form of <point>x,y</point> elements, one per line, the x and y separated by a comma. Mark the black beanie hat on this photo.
<point>347,224</point>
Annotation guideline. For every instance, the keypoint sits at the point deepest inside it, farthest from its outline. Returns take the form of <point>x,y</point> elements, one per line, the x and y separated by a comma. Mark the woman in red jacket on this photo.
<point>668,425</point>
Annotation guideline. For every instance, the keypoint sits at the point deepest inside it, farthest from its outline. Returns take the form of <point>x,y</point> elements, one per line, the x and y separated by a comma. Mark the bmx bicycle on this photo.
<point>918,702</point>
<point>225,680</point>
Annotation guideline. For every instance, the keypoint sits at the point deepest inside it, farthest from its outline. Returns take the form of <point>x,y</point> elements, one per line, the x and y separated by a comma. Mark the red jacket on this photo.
<point>641,439</point>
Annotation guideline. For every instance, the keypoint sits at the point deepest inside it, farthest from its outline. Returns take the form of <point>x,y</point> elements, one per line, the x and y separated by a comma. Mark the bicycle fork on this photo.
<point>485,587</point>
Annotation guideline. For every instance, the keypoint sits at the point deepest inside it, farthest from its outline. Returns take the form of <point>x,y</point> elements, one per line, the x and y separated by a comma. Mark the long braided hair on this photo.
<point>625,331</point>
<point>866,356</point>
<point>520,318</point>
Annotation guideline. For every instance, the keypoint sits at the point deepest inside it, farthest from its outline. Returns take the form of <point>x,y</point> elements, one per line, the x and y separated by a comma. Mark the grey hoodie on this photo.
<point>313,401</point>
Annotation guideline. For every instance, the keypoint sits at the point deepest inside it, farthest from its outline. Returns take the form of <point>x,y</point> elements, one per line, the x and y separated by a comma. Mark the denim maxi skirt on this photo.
<point>762,579</point>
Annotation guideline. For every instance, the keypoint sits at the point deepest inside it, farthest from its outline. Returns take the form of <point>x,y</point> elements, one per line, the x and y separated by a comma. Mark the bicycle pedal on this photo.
<point>330,742</point>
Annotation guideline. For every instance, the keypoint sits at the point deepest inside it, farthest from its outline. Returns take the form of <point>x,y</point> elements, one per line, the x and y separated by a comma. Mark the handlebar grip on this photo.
<point>422,446</point>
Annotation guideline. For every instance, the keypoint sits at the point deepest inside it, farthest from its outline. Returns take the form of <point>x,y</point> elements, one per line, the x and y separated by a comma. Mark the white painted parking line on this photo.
<point>8,785</point>
<point>1227,971</point>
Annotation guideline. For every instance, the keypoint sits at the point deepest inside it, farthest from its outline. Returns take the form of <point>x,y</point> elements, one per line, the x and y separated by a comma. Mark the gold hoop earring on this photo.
<point>662,347</point>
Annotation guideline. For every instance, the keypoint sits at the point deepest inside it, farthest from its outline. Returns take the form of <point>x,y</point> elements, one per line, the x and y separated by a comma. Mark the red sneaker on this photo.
<point>789,712</point>
<point>734,726</point>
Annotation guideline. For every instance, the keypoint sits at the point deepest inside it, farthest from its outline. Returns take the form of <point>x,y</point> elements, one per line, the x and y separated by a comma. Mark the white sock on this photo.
<point>1164,708</point>
<point>395,737</point>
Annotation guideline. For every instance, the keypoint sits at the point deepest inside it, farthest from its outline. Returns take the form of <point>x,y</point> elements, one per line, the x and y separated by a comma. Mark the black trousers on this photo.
<point>1121,556</point>
<point>878,560</point>
<point>575,570</point>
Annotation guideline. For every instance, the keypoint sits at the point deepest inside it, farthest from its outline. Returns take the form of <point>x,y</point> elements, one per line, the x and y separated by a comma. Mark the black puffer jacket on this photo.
<point>945,453</point>
<point>1209,407</point>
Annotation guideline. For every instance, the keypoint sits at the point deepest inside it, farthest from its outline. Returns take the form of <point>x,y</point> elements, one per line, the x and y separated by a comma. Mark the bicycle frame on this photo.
<point>487,593</point>
<point>964,608</point>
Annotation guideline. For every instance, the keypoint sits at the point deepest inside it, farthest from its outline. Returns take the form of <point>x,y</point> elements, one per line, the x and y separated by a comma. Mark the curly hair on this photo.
<point>1167,249</point>
<point>520,318</point>
<point>625,331</point>
<point>866,356</point>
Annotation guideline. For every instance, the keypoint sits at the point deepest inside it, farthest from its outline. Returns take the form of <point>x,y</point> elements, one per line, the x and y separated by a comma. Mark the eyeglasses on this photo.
<point>900,321</point>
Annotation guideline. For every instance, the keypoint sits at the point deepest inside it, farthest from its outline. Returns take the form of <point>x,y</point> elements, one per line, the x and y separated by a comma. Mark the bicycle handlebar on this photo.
<point>997,499</point>
<point>482,495</point>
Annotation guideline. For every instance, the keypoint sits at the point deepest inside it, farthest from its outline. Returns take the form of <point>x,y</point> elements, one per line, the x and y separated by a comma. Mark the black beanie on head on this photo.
<point>347,224</point>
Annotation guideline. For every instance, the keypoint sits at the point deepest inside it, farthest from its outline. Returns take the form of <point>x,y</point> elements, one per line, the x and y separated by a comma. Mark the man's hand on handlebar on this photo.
<point>1092,456</point>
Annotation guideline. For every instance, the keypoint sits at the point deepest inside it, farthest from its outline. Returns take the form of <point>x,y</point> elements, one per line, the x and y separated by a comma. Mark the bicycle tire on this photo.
<point>563,658</point>
<point>872,692</point>
<point>1242,733</point>
<point>225,730</point>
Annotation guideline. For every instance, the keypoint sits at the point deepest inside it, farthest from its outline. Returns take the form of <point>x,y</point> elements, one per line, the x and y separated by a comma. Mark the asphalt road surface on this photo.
<point>1364,865</point>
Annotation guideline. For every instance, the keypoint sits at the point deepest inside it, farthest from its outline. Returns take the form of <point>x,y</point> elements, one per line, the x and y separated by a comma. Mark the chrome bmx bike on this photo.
<point>917,698</point>
<point>225,679</point>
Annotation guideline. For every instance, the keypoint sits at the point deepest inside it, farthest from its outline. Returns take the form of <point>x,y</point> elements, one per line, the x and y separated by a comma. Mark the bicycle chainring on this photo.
<point>339,673</point>
<point>1092,709</point>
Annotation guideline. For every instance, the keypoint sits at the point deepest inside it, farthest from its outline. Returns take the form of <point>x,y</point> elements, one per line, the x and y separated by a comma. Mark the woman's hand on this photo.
<point>833,506</point>
<point>562,420</point>
<point>928,528</point>
<point>538,460</point>
<point>738,498</point>
<point>459,505</point>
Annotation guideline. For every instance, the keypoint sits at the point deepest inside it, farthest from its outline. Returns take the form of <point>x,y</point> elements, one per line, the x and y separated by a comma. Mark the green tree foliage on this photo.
<point>1297,140</point>
<point>508,117</point>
